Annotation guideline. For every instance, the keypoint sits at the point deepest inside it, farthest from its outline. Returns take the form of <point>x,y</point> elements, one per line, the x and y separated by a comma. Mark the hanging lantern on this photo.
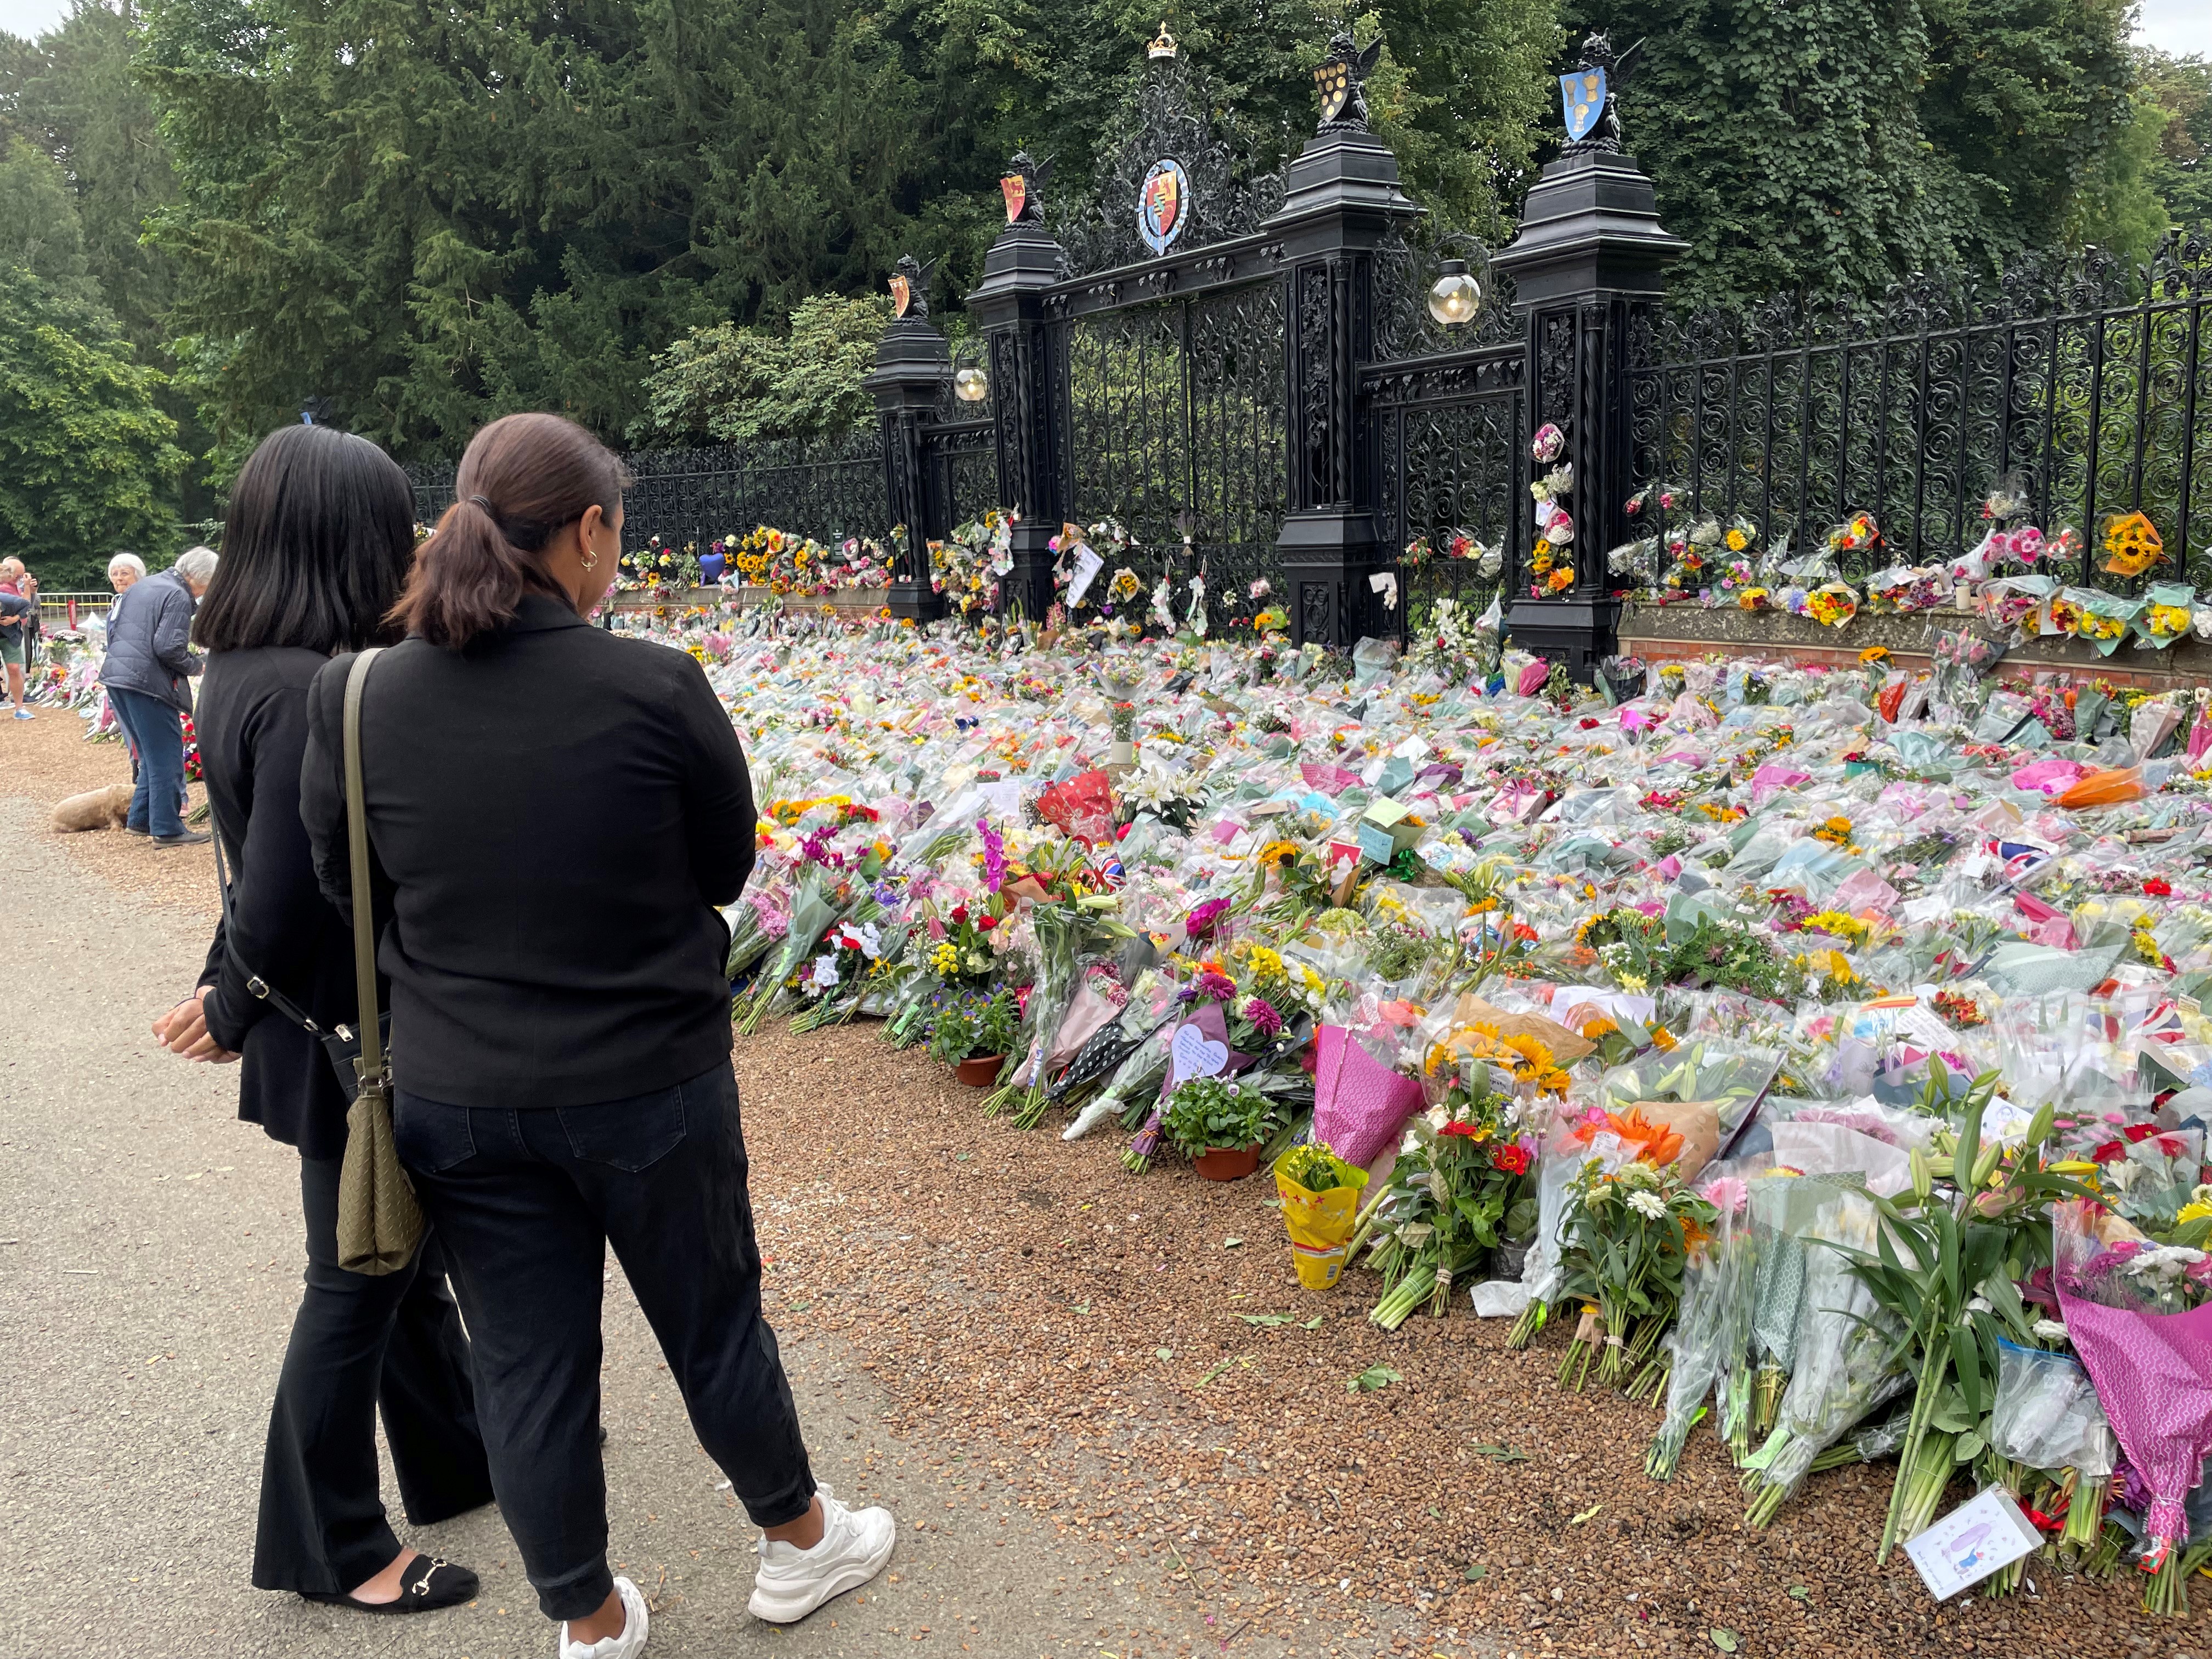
<point>971,385</point>
<point>1455,296</point>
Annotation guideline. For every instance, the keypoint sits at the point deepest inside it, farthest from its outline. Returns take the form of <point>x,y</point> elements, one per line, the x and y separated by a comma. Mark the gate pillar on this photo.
<point>1340,200</point>
<point>913,367</point>
<point>1009,306</point>
<point>1590,254</point>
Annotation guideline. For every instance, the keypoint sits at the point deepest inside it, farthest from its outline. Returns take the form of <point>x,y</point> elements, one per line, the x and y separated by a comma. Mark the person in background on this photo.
<point>555,813</point>
<point>319,538</point>
<point>124,569</point>
<point>19,615</point>
<point>148,671</point>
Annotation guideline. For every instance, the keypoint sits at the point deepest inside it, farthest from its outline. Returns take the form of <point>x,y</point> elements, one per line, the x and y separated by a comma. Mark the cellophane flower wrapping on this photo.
<point>2046,1415</point>
<point>1849,1356</point>
<point>1709,1323</point>
<point>813,910</point>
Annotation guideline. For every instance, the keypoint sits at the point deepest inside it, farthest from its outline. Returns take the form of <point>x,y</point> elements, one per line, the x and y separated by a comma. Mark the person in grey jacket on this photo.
<point>149,659</point>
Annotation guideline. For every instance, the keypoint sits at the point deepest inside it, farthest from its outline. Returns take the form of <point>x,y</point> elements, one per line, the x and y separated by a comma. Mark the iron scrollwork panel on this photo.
<point>2084,383</point>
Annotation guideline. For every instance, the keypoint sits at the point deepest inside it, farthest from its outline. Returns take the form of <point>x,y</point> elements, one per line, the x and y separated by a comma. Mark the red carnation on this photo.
<point>2159,887</point>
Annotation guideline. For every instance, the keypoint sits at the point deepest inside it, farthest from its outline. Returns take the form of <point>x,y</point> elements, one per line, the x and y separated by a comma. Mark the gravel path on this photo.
<point>1096,1402</point>
<point>149,1272</point>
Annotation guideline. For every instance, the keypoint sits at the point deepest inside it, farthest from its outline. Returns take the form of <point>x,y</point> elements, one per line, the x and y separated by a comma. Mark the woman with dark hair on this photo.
<point>554,814</point>
<point>318,545</point>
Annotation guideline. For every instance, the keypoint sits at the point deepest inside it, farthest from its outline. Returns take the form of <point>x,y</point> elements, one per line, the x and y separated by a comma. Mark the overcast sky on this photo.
<point>2178,26</point>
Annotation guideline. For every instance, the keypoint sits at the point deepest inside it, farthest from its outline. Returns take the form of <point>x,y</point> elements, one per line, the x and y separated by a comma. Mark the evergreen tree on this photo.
<point>2180,173</point>
<point>1840,144</point>
<point>1783,142</point>
<point>76,96</point>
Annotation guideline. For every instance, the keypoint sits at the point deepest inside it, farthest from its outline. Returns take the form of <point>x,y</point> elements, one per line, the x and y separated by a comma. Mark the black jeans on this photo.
<point>358,1343</point>
<point>527,1202</point>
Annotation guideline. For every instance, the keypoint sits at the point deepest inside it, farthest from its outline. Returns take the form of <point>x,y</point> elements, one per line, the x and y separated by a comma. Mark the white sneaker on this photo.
<point>627,1645</point>
<point>793,1582</point>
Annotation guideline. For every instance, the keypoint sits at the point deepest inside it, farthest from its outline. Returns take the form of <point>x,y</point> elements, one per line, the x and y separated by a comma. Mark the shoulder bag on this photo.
<point>380,1224</point>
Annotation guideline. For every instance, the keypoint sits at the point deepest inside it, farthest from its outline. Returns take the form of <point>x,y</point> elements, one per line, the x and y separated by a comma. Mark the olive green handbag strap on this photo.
<point>370,1066</point>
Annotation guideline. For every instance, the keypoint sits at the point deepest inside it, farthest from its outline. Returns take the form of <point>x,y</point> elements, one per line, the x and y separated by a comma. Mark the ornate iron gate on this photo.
<point>1175,429</point>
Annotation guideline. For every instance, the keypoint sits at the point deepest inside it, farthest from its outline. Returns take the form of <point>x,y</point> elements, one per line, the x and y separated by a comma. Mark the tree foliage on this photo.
<point>729,384</point>
<point>88,460</point>
<point>2180,173</point>
<point>1836,145</point>
<point>416,216</point>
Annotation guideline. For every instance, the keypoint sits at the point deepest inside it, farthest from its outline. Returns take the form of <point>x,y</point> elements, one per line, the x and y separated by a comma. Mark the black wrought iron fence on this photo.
<point>828,488</point>
<point>2087,383</point>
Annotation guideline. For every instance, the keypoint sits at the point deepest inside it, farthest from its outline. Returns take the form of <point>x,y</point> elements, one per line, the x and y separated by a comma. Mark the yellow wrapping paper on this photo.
<point>1319,1224</point>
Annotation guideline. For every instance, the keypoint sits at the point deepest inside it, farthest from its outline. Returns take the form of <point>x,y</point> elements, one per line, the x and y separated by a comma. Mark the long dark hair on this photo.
<point>522,479</point>
<point>316,548</point>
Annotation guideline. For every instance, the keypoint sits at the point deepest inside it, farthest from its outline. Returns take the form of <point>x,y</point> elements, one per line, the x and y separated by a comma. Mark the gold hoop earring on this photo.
<point>593,562</point>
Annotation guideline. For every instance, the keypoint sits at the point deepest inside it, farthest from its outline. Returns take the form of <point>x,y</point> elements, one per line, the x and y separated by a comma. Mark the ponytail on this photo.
<point>524,478</point>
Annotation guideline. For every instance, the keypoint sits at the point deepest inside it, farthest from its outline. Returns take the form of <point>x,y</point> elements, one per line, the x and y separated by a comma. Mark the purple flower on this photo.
<point>1261,1015</point>
<point>994,855</point>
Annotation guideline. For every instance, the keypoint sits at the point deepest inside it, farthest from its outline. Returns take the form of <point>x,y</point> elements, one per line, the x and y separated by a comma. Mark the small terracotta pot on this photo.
<point>980,1071</point>
<point>1227,1163</point>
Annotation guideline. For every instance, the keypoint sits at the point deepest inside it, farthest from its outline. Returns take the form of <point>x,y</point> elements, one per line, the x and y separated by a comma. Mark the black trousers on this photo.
<point>359,1343</point>
<point>527,1202</point>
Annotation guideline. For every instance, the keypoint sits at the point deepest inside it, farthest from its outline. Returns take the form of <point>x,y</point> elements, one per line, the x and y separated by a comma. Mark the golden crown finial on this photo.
<point>1164,44</point>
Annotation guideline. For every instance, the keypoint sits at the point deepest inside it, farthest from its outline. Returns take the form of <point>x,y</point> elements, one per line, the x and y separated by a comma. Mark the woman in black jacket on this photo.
<point>319,542</point>
<point>554,815</point>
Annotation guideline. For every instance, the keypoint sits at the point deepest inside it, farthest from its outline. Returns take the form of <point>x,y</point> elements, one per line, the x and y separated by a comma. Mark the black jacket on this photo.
<point>149,629</point>
<point>252,724</point>
<point>554,816</point>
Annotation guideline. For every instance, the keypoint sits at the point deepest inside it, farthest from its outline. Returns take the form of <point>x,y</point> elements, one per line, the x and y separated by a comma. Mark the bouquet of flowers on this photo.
<point>1858,535</point>
<point>1901,588</point>
<point>2135,1312</point>
<point>1631,1225</point>
<point>1832,604</point>
<point>1846,1363</point>
<point>1709,1327</point>
<point>2099,618</point>
<point>968,567</point>
<point>2132,544</point>
<point>1459,1188</point>
<point>2166,614</point>
<point>1449,544</point>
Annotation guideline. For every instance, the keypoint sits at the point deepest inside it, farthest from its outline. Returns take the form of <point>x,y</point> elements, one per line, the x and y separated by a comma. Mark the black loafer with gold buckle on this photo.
<point>428,1583</point>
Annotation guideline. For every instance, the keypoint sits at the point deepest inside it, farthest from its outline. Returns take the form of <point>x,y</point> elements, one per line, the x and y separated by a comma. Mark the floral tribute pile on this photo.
<point>1817,1057</point>
<point>2019,581</point>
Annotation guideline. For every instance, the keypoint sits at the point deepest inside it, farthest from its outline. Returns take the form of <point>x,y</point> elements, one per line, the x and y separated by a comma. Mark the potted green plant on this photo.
<point>1219,1125</point>
<point>952,1038</point>
<point>984,1040</point>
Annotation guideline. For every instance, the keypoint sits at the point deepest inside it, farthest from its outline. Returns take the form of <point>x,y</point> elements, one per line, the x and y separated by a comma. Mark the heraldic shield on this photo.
<point>1016,189</point>
<point>1163,205</point>
<point>1582,100</point>
<point>1334,79</point>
